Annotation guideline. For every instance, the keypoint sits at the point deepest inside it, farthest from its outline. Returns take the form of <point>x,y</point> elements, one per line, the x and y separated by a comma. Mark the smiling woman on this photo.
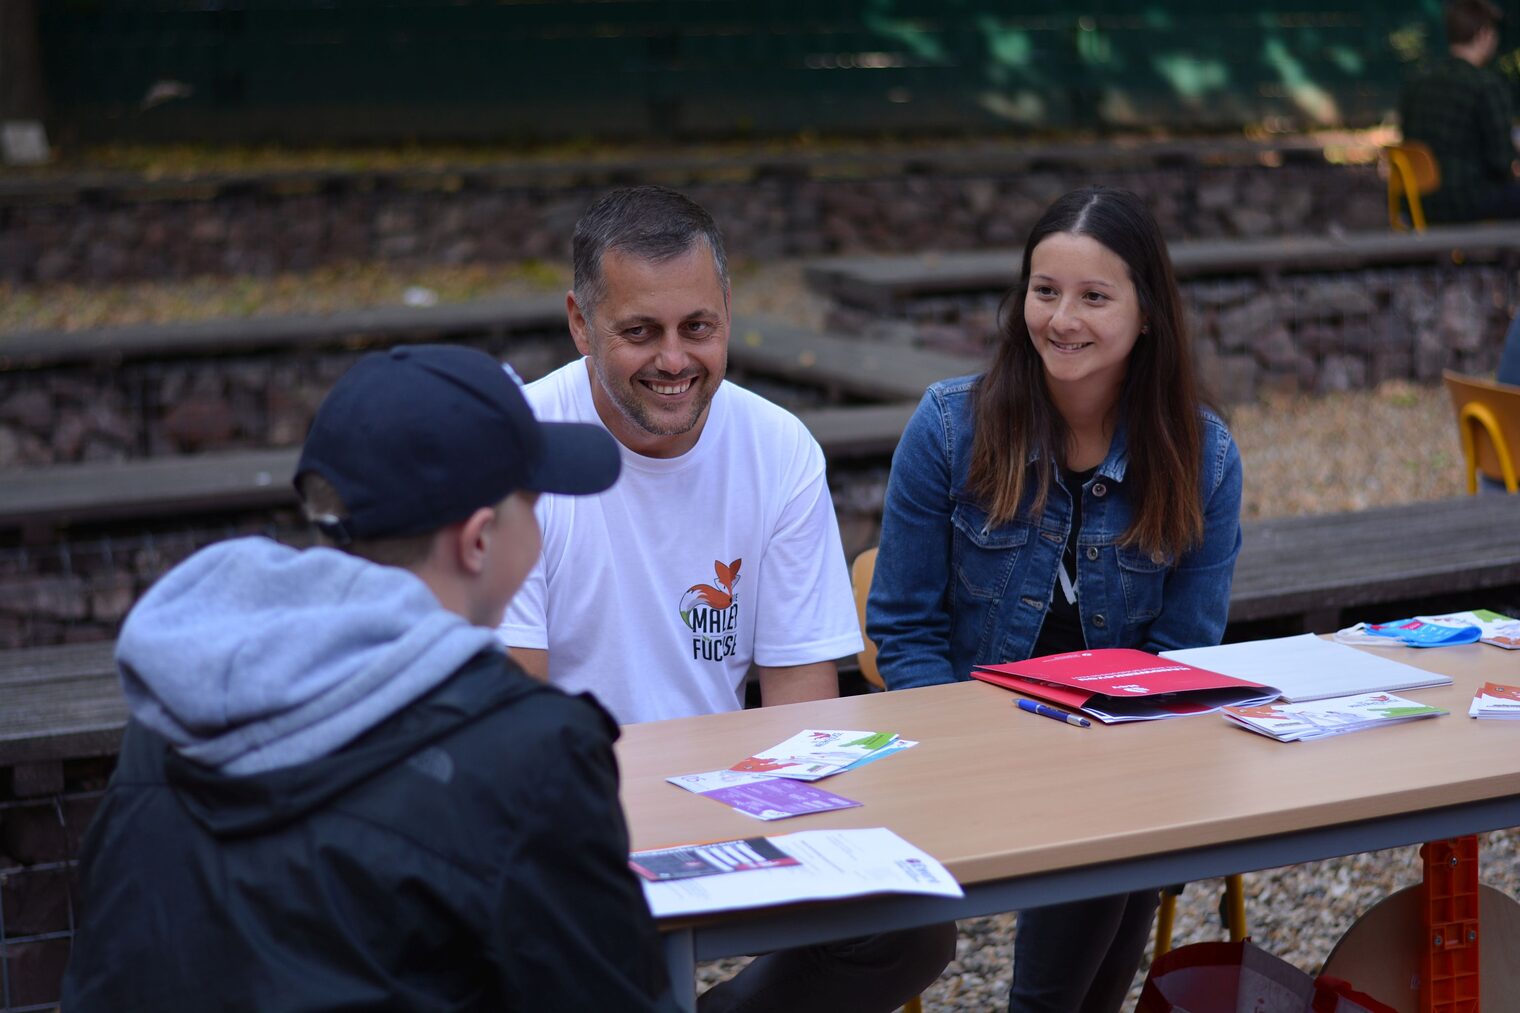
<point>1083,315</point>
<point>1077,495</point>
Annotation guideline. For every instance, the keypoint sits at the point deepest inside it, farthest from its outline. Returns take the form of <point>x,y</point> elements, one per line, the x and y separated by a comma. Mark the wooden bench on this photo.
<point>377,326</point>
<point>884,284</point>
<point>1324,571</point>
<point>61,703</point>
<point>1305,573</point>
<point>840,365</point>
<point>42,501</point>
<point>759,344</point>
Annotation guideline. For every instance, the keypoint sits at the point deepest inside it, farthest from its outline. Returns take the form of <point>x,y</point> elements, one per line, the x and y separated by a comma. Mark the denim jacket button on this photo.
<point>1099,489</point>
<point>1099,621</point>
<point>1092,552</point>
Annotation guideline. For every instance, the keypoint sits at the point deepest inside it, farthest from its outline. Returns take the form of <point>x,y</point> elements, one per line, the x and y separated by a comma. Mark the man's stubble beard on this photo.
<point>637,412</point>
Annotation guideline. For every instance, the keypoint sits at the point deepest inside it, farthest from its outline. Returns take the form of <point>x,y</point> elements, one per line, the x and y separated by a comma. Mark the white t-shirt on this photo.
<point>657,594</point>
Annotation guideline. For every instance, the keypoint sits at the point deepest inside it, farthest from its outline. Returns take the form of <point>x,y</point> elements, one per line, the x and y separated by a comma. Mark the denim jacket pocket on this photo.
<point>983,556</point>
<point>1144,579</point>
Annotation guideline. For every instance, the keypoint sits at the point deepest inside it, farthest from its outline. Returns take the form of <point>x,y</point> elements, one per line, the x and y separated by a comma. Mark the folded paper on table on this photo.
<point>1291,722</point>
<point>815,753</point>
<point>762,796</point>
<point>1495,700</point>
<point>830,864</point>
<point>1117,684</point>
<point>717,859</point>
<point>1307,667</point>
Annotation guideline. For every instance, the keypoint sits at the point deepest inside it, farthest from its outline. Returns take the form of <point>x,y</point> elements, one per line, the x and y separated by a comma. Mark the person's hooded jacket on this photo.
<point>335,794</point>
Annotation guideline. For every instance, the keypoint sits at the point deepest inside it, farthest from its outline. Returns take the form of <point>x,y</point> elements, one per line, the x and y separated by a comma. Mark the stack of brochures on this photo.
<point>762,871</point>
<point>815,753</point>
<point>774,784</point>
<point>1444,630</point>
<point>1495,700</point>
<point>1319,718</point>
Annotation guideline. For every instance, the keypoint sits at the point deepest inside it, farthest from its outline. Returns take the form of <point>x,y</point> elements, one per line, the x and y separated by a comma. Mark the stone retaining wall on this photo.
<point>1312,333</point>
<point>107,411</point>
<point>40,837</point>
<point>119,234</point>
<point>80,586</point>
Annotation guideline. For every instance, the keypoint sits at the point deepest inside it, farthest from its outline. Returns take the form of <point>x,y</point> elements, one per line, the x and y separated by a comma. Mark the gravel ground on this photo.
<point>1302,455</point>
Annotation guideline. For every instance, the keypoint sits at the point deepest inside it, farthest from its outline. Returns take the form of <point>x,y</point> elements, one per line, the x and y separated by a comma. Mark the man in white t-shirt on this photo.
<point>717,549</point>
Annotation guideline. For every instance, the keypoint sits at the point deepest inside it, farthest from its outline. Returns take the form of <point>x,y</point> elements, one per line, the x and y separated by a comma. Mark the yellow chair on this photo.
<point>860,576</point>
<point>1234,906</point>
<point>1412,172</point>
<point>1488,417</point>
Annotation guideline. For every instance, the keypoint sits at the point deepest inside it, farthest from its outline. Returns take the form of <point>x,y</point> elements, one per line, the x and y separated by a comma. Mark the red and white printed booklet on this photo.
<point>1116,684</point>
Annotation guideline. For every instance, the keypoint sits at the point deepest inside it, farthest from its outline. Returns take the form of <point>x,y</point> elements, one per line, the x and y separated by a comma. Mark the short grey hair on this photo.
<point>649,222</point>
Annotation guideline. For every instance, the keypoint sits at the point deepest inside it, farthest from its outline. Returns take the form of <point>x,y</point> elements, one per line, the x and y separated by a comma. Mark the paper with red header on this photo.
<point>1115,684</point>
<point>1496,700</point>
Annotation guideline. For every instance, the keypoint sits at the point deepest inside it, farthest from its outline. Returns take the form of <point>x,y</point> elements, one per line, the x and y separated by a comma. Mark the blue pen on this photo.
<point>1035,707</point>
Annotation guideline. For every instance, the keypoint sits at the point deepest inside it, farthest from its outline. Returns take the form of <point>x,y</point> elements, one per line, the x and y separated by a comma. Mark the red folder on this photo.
<point>1119,684</point>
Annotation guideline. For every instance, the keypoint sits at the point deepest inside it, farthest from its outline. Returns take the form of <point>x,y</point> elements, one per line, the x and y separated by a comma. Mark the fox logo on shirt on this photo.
<point>711,612</point>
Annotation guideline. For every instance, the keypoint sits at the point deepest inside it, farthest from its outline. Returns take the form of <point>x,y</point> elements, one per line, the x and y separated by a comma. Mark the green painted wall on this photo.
<point>303,70</point>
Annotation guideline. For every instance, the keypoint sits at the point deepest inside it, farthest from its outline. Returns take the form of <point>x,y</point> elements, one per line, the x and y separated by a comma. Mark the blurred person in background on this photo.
<point>1461,110</point>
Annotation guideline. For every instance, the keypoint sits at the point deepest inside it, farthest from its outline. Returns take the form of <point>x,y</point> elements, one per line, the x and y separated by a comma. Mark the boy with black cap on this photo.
<point>336,791</point>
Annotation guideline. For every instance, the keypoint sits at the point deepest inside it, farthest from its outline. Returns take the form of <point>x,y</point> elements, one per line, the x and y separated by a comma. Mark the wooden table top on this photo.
<point>994,792</point>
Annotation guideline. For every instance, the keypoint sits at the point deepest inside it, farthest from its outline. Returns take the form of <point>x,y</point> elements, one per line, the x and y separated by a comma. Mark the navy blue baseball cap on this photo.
<point>422,436</point>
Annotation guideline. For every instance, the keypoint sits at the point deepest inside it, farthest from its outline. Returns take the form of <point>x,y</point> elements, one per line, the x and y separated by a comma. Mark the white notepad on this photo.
<point>1307,667</point>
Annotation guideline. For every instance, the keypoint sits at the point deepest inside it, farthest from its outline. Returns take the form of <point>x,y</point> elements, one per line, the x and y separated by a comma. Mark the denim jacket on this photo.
<point>951,590</point>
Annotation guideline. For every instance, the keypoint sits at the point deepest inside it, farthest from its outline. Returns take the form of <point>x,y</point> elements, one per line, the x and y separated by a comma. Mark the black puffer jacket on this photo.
<point>468,853</point>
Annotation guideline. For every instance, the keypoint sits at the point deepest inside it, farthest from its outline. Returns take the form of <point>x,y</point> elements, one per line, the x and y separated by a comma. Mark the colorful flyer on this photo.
<point>1291,722</point>
<point>1495,700</point>
<point>664,864</point>
<point>1496,628</point>
<point>1425,631</point>
<point>831,863</point>
<point>895,746</point>
<point>762,796</point>
<point>815,753</point>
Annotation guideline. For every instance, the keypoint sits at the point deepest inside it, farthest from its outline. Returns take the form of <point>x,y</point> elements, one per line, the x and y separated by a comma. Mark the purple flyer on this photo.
<point>779,798</point>
<point>762,796</point>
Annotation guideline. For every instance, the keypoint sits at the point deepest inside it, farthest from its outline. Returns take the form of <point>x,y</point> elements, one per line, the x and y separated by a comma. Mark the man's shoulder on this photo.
<point>749,408</point>
<point>556,394</point>
<point>774,433</point>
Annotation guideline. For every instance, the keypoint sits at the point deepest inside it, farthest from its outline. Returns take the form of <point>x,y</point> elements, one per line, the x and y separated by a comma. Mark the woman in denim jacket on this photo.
<point>1076,495</point>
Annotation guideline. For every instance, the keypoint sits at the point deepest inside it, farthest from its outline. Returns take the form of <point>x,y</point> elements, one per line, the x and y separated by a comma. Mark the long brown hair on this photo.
<point>1159,401</point>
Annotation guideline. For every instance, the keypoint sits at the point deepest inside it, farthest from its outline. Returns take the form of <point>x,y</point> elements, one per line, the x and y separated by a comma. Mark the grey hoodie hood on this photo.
<point>251,655</point>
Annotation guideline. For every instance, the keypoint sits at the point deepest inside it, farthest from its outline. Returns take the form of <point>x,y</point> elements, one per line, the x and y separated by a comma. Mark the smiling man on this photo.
<point>717,549</point>
<point>720,548</point>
